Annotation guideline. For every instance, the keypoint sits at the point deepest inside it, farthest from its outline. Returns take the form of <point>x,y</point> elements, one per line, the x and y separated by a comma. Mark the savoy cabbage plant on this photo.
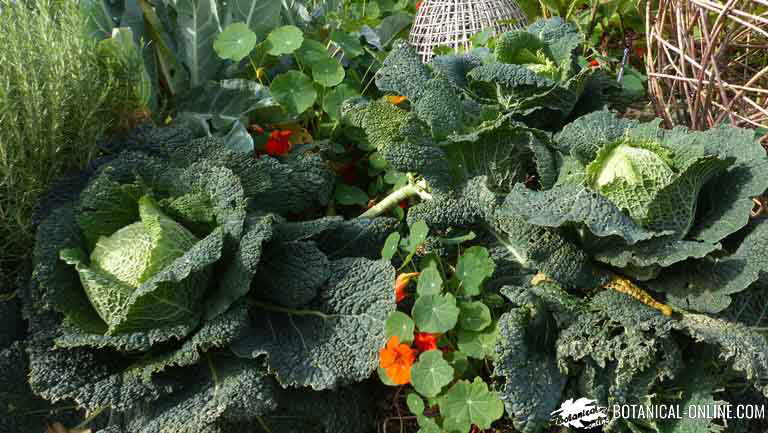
<point>170,290</point>
<point>532,74</point>
<point>659,217</point>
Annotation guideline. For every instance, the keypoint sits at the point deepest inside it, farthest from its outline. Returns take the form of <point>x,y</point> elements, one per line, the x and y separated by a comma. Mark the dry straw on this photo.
<point>453,22</point>
<point>708,62</point>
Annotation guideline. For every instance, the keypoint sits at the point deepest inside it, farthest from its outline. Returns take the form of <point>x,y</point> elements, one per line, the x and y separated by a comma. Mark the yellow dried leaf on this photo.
<point>623,285</point>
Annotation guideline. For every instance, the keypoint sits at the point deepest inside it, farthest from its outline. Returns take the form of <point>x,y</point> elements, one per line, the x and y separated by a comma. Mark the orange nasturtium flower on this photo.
<point>425,341</point>
<point>396,359</point>
<point>396,100</point>
<point>401,283</point>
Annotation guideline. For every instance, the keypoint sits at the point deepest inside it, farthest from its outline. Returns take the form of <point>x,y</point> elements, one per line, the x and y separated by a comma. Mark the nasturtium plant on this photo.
<point>435,313</point>
<point>347,42</point>
<point>468,403</point>
<point>431,373</point>
<point>452,331</point>
<point>235,42</point>
<point>294,91</point>
<point>430,282</point>
<point>473,267</point>
<point>400,325</point>
<point>350,195</point>
<point>474,316</point>
<point>328,72</point>
<point>168,271</point>
<point>333,100</point>
<point>285,40</point>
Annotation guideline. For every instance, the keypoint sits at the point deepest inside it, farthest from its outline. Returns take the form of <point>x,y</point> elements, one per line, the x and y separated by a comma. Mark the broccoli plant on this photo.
<point>170,290</point>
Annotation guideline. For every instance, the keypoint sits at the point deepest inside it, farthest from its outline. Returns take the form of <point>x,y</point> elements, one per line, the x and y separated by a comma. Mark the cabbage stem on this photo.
<point>412,189</point>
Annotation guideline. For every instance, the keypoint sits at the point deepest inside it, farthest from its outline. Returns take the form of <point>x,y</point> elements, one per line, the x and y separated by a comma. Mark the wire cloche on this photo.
<point>453,22</point>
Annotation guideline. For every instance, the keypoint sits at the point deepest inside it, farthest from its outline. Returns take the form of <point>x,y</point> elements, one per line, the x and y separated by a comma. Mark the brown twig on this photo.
<point>706,62</point>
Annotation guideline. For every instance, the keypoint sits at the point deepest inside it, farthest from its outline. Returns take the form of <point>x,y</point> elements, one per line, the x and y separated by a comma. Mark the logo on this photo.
<point>582,413</point>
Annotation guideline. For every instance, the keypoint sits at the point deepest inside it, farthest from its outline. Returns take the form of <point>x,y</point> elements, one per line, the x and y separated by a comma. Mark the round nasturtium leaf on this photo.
<point>419,232</point>
<point>428,424</point>
<point>400,325</point>
<point>285,40</point>
<point>430,282</point>
<point>474,266</point>
<point>435,313</point>
<point>311,52</point>
<point>474,316</point>
<point>348,195</point>
<point>335,98</point>
<point>384,378</point>
<point>431,373</point>
<point>293,91</point>
<point>468,403</point>
<point>328,72</point>
<point>459,361</point>
<point>390,246</point>
<point>235,42</point>
<point>415,403</point>
<point>350,43</point>
<point>478,345</point>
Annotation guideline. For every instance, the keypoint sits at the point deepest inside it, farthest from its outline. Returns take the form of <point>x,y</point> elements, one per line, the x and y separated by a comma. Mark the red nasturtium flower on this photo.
<point>278,143</point>
<point>396,359</point>
<point>425,341</point>
<point>594,63</point>
<point>401,283</point>
<point>418,4</point>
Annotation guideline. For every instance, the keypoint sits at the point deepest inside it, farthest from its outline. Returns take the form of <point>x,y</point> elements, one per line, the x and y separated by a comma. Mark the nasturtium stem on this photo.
<point>392,200</point>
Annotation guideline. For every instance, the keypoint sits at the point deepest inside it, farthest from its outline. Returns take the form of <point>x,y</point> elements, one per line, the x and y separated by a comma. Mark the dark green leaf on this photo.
<point>294,91</point>
<point>349,195</point>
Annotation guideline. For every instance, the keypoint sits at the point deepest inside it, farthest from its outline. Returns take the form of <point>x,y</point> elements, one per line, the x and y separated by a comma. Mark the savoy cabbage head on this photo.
<point>170,288</point>
<point>642,199</point>
<point>534,73</point>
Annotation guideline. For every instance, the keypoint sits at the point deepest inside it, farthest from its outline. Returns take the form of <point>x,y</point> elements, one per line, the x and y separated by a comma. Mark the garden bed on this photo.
<point>261,216</point>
